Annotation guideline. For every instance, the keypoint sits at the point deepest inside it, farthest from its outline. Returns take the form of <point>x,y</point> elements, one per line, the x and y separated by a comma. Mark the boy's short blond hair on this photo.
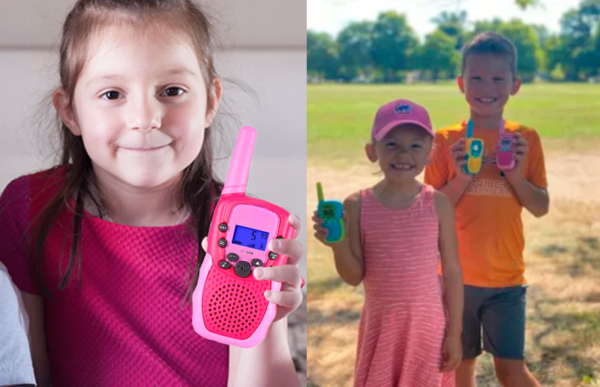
<point>493,44</point>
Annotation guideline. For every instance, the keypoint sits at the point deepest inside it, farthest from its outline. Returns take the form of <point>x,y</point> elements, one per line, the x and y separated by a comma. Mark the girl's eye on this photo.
<point>390,144</point>
<point>173,91</point>
<point>111,95</point>
<point>417,146</point>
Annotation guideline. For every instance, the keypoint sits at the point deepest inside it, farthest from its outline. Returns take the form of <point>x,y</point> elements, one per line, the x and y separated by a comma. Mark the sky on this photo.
<point>333,15</point>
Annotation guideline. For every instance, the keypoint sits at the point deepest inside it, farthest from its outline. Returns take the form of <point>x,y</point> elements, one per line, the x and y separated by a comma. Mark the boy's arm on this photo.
<point>455,189</point>
<point>452,273</point>
<point>437,172</point>
<point>530,190</point>
<point>535,199</point>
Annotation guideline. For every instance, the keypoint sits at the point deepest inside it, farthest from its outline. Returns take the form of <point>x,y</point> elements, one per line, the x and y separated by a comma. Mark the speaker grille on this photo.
<point>233,308</point>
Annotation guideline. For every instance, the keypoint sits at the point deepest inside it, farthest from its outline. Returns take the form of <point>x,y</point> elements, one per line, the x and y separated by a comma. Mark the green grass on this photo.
<point>340,116</point>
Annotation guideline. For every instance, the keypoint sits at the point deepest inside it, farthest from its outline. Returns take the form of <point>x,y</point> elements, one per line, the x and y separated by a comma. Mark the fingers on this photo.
<point>460,144</point>
<point>316,218</point>
<point>289,299</point>
<point>204,244</point>
<point>451,360</point>
<point>288,274</point>
<point>296,224</point>
<point>320,232</point>
<point>292,248</point>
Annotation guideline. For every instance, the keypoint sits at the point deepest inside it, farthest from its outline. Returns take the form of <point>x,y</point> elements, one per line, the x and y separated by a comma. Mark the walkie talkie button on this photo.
<point>223,227</point>
<point>257,262</point>
<point>272,255</point>
<point>243,269</point>
<point>224,265</point>
<point>222,242</point>
<point>233,257</point>
<point>279,237</point>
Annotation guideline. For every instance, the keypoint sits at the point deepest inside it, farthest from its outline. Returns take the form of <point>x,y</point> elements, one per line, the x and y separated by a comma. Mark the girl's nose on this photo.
<point>144,114</point>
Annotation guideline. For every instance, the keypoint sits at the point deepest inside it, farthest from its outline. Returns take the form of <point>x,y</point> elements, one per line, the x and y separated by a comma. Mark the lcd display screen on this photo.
<point>249,237</point>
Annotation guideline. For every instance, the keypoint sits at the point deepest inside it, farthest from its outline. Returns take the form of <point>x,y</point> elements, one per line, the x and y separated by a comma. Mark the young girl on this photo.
<point>396,232</point>
<point>100,244</point>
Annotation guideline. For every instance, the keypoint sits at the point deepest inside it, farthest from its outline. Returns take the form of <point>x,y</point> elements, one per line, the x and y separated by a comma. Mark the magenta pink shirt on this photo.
<point>121,325</point>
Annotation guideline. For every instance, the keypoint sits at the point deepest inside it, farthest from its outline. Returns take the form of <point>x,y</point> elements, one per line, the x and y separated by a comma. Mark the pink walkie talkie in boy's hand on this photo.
<point>505,151</point>
<point>229,305</point>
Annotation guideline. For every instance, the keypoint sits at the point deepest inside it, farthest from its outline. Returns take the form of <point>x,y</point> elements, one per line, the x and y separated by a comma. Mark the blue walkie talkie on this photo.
<point>331,211</point>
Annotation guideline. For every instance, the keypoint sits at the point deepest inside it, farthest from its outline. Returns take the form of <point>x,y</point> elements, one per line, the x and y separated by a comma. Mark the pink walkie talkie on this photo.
<point>505,151</point>
<point>229,305</point>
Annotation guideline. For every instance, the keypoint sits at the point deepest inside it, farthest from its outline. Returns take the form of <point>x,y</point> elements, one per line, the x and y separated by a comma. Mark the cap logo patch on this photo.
<point>403,109</point>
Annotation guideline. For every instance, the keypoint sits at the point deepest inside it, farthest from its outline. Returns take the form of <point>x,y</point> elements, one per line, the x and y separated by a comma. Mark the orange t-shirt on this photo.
<point>488,214</point>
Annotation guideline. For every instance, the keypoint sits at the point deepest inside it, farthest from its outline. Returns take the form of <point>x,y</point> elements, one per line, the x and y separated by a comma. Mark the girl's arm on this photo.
<point>269,364</point>
<point>347,254</point>
<point>34,305</point>
<point>452,272</point>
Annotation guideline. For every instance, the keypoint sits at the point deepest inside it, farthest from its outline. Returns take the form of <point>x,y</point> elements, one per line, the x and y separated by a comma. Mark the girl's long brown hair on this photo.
<point>197,188</point>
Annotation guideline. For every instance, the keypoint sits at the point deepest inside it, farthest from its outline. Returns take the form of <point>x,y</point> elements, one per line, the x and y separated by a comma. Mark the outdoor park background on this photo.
<point>562,249</point>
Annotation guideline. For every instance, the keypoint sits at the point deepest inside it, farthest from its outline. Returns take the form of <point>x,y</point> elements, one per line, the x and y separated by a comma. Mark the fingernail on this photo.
<point>259,273</point>
<point>294,219</point>
<point>268,294</point>
<point>274,244</point>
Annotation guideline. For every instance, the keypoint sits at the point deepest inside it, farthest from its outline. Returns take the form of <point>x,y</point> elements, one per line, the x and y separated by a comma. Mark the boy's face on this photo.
<point>402,153</point>
<point>487,83</point>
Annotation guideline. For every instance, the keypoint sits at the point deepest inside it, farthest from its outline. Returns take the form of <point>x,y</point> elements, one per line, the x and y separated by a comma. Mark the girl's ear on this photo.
<point>215,94</point>
<point>370,151</point>
<point>461,84</point>
<point>63,107</point>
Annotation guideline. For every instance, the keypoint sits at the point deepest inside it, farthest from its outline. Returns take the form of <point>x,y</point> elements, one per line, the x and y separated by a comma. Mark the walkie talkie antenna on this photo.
<point>320,192</point>
<point>470,129</point>
<point>239,168</point>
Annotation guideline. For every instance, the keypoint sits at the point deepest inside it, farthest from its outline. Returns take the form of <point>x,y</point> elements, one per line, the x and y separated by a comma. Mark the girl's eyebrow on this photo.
<point>175,71</point>
<point>181,70</point>
<point>103,77</point>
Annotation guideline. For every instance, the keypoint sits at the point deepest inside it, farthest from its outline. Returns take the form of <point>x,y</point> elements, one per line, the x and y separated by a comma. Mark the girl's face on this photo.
<point>403,153</point>
<point>140,105</point>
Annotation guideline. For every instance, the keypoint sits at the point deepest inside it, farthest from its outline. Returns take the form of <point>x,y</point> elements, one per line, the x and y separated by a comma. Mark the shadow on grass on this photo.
<point>583,326</point>
<point>585,253</point>
<point>585,329</point>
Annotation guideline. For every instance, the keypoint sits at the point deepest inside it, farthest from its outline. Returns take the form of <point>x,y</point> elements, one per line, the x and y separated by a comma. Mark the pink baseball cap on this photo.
<point>395,113</point>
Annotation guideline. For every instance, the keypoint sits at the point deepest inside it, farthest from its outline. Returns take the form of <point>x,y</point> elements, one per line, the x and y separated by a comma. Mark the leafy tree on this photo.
<point>321,55</point>
<point>394,43</point>
<point>439,54</point>
<point>355,42</point>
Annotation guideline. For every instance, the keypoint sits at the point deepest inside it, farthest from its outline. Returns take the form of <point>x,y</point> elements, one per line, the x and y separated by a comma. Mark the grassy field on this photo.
<point>562,249</point>
<point>339,116</point>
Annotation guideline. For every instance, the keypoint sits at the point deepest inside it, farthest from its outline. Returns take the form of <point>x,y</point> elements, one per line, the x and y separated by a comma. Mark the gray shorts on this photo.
<point>500,313</point>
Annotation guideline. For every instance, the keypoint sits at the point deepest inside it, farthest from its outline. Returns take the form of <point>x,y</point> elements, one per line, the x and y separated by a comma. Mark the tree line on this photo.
<point>388,50</point>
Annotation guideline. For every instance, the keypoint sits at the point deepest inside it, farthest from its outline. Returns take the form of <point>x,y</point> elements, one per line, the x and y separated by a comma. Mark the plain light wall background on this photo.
<point>264,47</point>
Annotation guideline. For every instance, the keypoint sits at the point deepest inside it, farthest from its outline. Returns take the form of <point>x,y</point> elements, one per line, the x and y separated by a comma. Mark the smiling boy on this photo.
<point>488,211</point>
